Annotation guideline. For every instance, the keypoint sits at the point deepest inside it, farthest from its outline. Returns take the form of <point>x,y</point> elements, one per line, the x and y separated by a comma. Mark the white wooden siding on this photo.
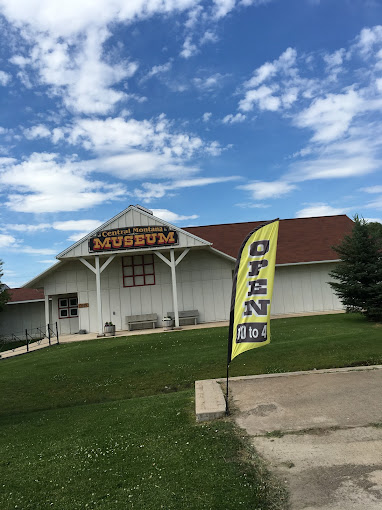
<point>304,288</point>
<point>204,283</point>
<point>21,316</point>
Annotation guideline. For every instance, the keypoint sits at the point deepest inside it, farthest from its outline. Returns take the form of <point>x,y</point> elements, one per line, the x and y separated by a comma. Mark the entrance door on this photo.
<point>68,314</point>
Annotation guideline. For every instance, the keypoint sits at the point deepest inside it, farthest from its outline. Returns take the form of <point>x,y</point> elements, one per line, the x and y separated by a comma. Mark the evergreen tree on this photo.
<point>375,230</point>
<point>4,295</point>
<point>359,274</point>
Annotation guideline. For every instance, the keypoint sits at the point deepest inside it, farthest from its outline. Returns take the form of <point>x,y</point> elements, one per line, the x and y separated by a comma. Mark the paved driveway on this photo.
<point>321,432</point>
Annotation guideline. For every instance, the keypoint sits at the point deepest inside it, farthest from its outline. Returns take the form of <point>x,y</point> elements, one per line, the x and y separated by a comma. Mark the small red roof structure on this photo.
<point>24,294</point>
<point>300,239</point>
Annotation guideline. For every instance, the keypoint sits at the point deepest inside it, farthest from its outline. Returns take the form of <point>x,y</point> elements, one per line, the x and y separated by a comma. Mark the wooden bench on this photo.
<point>147,321</point>
<point>186,317</point>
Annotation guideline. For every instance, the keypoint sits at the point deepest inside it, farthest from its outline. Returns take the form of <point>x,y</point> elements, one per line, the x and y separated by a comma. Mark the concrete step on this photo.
<point>209,400</point>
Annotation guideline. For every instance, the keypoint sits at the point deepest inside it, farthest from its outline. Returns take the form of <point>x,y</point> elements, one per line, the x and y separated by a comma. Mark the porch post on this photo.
<point>47,317</point>
<point>174,289</point>
<point>99,302</point>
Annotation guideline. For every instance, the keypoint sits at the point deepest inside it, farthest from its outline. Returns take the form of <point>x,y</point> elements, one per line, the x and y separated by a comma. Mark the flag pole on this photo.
<point>226,396</point>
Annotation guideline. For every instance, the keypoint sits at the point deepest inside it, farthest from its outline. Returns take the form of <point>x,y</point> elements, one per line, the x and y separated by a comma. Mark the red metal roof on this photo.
<point>25,294</point>
<point>300,239</point>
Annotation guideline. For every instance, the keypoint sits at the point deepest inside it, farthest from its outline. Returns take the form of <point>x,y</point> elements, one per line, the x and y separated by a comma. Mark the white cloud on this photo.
<point>340,110</point>
<point>150,191</point>
<point>6,240</point>
<point>114,135</point>
<point>367,39</point>
<point>209,83</point>
<point>285,64</point>
<point>84,80</point>
<point>333,168</point>
<point>189,48</point>
<point>5,78</point>
<point>172,217</point>
<point>42,184</point>
<point>320,209</point>
<point>77,236</point>
<point>140,165</point>
<point>335,59</point>
<point>7,161</point>
<point>261,190</point>
<point>215,149</point>
<point>223,7</point>
<point>67,19</point>
<point>375,204</point>
<point>262,73</point>
<point>80,225</point>
<point>159,69</point>
<point>374,220</point>
<point>330,117</point>
<point>251,205</point>
<point>372,189</point>
<point>36,251</point>
<point>193,17</point>
<point>206,116</point>
<point>209,37</point>
<point>262,97</point>
<point>234,119</point>
<point>355,155</point>
<point>48,261</point>
<point>20,227</point>
<point>66,43</point>
<point>131,149</point>
<point>75,70</point>
<point>290,96</point>
<point>39,131</point>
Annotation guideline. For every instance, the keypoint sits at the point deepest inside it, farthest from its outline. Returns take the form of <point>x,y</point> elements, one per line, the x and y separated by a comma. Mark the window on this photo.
<point>67,307</point>
<point>138,270</point>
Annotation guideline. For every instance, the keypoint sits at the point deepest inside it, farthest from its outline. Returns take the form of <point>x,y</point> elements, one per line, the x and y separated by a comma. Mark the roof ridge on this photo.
<point>263,221</point>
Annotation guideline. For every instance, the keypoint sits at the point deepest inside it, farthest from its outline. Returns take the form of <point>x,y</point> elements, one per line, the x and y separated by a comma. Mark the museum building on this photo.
<point>137,265</point>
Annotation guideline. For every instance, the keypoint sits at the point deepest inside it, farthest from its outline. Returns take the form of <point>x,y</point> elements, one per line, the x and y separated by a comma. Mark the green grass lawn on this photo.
<point>109,423</point>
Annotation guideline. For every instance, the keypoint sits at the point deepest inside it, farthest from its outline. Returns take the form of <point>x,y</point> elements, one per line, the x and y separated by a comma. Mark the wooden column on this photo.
<point>174,289</point>
<point>97,270</point>
<point>47,314</point>
<point>99,300</point>
<point>173,263</point>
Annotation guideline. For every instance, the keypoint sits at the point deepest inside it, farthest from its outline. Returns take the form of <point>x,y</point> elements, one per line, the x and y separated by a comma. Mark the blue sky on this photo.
<point>206,112</point>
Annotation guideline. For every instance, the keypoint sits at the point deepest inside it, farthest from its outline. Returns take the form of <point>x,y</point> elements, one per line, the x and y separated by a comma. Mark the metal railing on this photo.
<point>30,336</point>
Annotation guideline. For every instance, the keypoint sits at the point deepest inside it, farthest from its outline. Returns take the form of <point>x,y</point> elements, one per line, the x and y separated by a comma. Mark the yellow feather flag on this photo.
<point>252,290</point>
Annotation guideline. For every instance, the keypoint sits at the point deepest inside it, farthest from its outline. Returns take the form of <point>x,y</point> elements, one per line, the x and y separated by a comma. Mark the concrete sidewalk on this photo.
<point>93,336</point>
<point>35,346</point>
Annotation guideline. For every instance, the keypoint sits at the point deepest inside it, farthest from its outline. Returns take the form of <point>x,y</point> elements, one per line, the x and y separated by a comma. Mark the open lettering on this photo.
<point>257,286</point>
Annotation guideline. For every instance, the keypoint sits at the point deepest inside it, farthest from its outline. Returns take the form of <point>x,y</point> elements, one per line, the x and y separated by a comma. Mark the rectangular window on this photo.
<point>67,307</point>
<point>138,270</point>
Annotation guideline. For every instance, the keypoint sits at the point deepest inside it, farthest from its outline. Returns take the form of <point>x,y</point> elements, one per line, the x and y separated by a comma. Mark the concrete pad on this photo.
<point>334,470</point>
<point>337,464</point>
<point>310,400</point>
<point>209,400</point>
